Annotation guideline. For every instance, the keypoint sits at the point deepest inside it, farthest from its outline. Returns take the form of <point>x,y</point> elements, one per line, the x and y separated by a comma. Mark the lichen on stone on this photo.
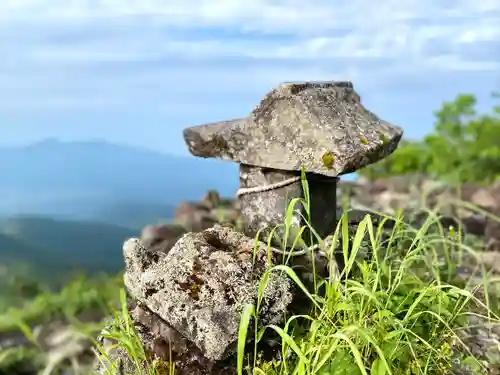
<point>383,138</point>
<point>291,126</point>
<point>200,287</point>
<point>328,159</point>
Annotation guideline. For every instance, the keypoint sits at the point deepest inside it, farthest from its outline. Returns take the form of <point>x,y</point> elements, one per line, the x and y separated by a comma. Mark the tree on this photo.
<point>463,147</point>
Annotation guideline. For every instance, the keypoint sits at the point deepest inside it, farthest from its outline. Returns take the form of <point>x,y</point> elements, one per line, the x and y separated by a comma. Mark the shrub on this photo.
<point>463,147</point>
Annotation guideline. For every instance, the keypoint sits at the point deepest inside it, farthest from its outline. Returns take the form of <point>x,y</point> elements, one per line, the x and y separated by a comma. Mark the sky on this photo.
<point>138,71</point>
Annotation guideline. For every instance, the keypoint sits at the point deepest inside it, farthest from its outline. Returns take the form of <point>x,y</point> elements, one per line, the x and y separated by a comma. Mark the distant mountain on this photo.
<point>99,180</point>
<point>56,247</point>
<point>70,205</point>
<point>13,250</point>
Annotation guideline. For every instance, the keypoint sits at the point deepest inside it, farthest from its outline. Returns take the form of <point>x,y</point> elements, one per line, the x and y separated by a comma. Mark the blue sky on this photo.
<point>139,71</point>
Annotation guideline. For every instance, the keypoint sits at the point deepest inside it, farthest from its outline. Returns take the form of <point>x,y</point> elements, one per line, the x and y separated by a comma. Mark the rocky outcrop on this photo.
<point>202,284</point>
<point>386,196</point>
<point>182,281</point>
<point>212,209</point>
<point>189,300</point>
<point>476,207</point>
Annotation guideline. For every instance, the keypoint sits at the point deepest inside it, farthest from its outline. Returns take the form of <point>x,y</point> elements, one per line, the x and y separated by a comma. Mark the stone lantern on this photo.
<point>320,127</point>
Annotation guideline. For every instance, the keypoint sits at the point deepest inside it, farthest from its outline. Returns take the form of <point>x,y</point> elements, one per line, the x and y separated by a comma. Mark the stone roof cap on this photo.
<point>319,126</point>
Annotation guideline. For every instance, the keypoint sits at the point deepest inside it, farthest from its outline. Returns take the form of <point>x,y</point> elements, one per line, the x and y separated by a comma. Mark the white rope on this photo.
<point>293,253</point>
<point>263,188</point>
<point>277,185</point>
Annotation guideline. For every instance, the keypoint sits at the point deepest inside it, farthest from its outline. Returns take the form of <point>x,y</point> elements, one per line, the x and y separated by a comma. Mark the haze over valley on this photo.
<point>70,205</point>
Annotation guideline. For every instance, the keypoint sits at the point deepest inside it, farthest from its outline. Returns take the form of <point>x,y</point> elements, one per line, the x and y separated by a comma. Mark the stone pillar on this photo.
<point>267,209</point>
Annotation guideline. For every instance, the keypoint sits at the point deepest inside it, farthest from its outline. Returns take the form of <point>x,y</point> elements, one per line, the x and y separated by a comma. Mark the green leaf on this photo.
<point>378,367</point>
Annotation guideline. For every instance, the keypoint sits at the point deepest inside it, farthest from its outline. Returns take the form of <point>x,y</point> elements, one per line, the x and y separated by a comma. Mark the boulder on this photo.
<point>162,344</point>
<point>200,287</point>
<point>161,237</point>
<point>194,216</point>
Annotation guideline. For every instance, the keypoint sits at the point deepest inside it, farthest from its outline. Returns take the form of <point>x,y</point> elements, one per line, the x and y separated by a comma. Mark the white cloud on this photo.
<point>318,28</point>
<point>159,58</point>
<point>277,14</point>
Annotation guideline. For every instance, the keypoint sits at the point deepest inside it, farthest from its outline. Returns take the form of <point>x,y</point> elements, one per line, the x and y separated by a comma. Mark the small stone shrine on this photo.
<point>320,127</point>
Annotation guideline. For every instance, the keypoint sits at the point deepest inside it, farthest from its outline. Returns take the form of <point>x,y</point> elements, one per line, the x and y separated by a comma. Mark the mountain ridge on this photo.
<point>59,247</point>
<point>80,179</point>
<point>71,205</point>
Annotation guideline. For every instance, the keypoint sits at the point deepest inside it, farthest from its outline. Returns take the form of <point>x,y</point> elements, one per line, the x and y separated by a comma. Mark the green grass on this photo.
<point>98,294</point>
<point>81,294</point>
<point>394,309</point>
<point>56,246</point>
<point>396,312</point>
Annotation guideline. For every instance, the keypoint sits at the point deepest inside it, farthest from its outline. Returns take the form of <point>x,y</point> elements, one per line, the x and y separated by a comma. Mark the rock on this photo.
<point>228,214</point>
<point>162,237</point>
<point>383,195</point>
<point>211,199</point>
<point>58,342</point>
<point>321,127</point>
<point>477,195</point>
<point>264,210</point>
<point>201,286</point>
<point>194,216</point>
<point>65,344</point>
<point>491,261</point>
<point>261,212</point>
<point>404,184</point>
<point>475,224</point>
<point>189,210</point>
<point>492,232</point>
<point>483,199</point>
<point>212,209</point>
<point>482,339</point>
<point>161,343</point>
<point>156,316</point>
<point>415,194</point>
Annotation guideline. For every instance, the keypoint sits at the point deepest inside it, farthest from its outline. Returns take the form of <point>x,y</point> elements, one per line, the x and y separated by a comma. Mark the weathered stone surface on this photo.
<point>384,195</point>
<point>194,216</point>
<point>263,211</point>
<point>162,237</point>
<point>161,343</point>
<point>212,209</point>
<point>321,127</point>
<point>211,199</point>
<point>200,287</point>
